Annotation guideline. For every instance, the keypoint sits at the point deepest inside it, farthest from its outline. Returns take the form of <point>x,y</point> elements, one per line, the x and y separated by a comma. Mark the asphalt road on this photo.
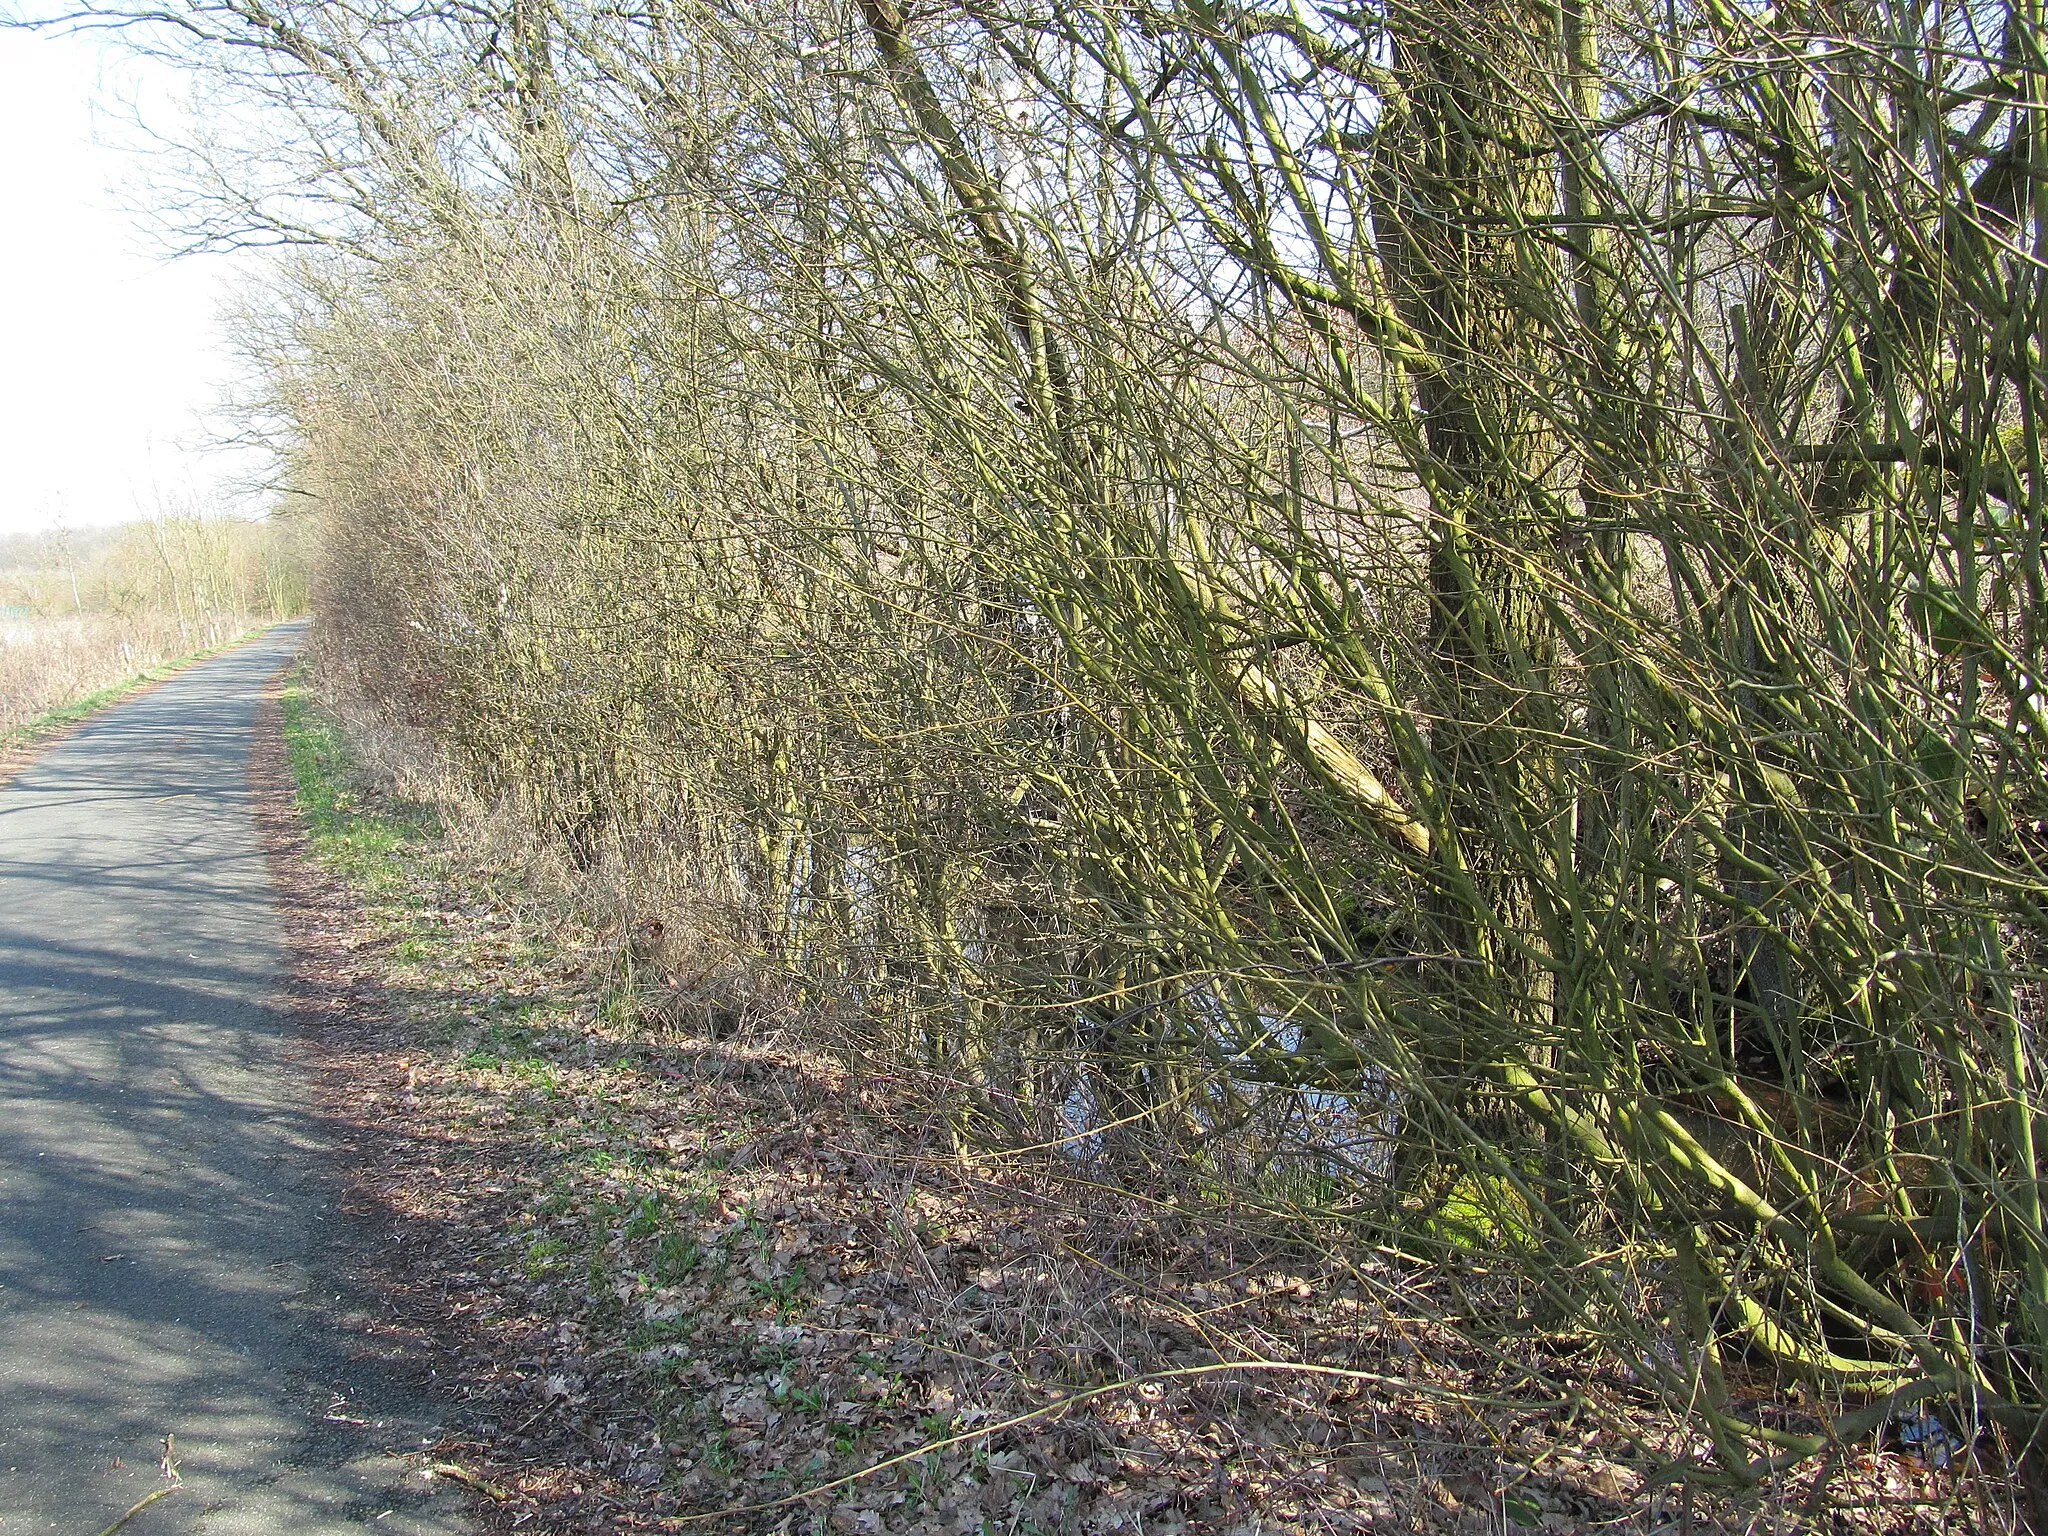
<point>165,1223</point>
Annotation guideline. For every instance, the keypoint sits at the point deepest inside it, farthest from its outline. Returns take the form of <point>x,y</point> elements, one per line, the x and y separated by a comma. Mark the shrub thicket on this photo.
<point>1428,611</point>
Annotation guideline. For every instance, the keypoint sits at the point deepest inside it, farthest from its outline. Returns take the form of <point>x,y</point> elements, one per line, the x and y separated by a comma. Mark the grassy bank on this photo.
<point>370,840</point>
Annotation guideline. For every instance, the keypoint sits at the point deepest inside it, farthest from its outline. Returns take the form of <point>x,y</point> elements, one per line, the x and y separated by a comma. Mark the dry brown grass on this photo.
<point>48,665</point>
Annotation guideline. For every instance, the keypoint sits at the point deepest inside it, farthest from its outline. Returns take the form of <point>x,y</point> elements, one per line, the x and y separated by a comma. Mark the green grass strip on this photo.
<point>366,838</point>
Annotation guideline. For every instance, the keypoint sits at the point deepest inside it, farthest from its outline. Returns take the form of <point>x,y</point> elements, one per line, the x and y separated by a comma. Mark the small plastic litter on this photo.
<point>1927,1439</point>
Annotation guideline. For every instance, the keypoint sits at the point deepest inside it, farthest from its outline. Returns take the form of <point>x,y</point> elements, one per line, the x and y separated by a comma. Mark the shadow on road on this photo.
<point>162,1206</point>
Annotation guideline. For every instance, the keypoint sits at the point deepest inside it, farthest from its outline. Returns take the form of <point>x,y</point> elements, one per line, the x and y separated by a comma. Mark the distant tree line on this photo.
<point>194,570</point>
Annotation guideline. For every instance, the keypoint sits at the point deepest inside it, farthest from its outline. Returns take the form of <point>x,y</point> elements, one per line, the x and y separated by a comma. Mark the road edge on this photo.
<point>17,755</point>
<point>333,1032</point>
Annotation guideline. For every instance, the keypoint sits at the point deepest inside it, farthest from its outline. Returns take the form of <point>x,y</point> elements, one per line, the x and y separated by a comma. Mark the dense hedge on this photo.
<point>1429,613</point>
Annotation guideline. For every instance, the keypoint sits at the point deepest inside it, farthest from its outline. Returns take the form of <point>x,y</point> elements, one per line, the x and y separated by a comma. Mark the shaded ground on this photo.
<point>165,1232</point>
<point>680,1279</point>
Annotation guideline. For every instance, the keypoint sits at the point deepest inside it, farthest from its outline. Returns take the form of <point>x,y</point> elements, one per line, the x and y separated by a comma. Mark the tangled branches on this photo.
<point>1431,609</point>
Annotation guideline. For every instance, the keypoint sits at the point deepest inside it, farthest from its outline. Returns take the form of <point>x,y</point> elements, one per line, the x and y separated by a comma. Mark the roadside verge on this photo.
<point>669,1278</point>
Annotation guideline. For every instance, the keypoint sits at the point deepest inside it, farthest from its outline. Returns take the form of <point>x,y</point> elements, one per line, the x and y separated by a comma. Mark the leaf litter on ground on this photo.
<point>671,1282</point>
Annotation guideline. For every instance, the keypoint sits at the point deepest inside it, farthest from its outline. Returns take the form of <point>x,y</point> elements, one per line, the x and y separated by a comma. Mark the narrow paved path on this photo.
<point>161,1217</point>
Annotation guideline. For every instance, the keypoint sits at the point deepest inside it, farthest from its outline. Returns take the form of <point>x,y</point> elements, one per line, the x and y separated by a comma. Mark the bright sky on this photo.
<point>110,357</point>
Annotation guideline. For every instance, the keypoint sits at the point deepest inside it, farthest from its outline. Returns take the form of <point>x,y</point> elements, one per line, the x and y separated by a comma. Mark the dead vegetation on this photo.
<point>684,1283</point>
<point>49,664</point>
